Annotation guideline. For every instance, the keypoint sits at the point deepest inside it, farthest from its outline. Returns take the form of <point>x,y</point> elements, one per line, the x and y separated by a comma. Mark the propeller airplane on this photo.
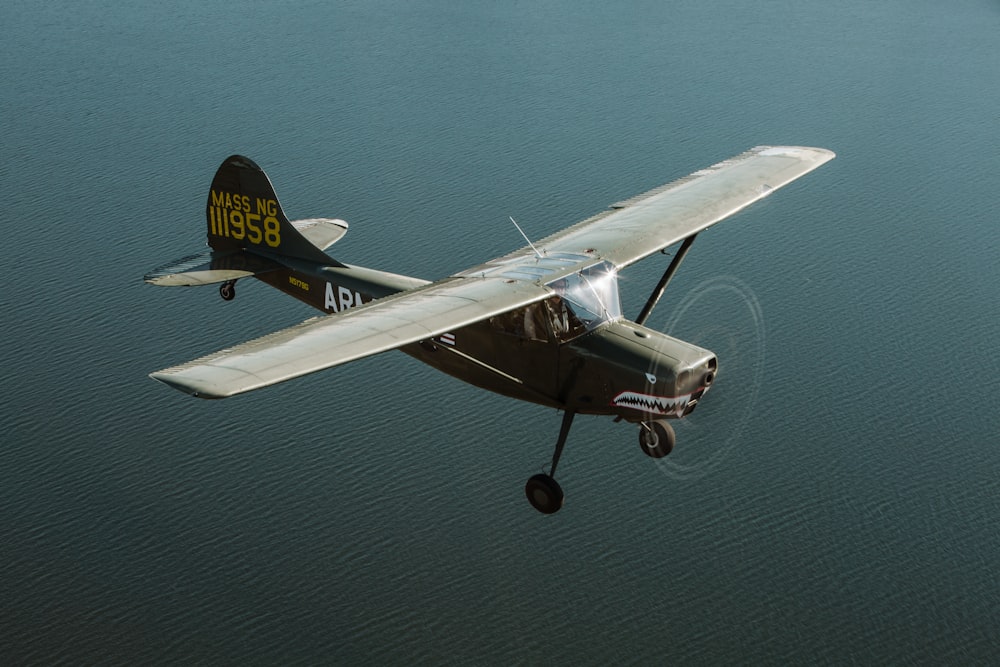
<point>541,324</point>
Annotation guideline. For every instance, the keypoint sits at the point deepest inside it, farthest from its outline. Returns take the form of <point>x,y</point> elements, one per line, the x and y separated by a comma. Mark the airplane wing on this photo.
<point>625,234</point>
<point>646,224</point>
<point>330,340</point>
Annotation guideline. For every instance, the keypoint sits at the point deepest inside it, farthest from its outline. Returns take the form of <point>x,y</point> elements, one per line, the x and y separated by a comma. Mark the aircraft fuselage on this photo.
<point>613,367</point>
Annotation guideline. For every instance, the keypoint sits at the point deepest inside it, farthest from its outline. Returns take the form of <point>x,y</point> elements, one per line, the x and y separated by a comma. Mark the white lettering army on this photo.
<point>341,299</point>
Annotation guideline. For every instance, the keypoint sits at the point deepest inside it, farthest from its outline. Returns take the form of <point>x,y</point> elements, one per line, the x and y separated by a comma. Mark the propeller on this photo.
<point>721,314</point>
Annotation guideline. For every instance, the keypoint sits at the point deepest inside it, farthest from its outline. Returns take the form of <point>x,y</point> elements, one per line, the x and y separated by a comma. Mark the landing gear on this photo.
<point>544,493</point>
<point>542,490</point>
<point>227,290</point>
<point>656,438</point>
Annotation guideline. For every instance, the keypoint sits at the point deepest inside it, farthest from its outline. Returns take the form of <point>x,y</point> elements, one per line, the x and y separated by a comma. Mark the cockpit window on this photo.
<point>584,300</point>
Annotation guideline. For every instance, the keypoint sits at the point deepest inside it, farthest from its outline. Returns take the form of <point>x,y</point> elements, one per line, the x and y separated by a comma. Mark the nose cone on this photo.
<point>699,375</point>
<point>643,374</point>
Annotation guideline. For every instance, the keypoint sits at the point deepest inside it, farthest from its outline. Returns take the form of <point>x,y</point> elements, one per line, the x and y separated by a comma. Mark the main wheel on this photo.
<point>227,290</point>
<point>544,493</point>
<point>656,438</point>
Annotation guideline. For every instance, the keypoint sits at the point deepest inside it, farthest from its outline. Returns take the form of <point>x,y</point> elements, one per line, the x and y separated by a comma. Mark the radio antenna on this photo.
<point>525,236</point>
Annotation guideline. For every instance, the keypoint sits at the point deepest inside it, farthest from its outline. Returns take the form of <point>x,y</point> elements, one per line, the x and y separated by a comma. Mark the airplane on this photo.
<point>542,324</point>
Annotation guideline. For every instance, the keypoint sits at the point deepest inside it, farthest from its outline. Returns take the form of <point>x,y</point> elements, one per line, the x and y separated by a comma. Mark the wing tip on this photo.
<point>171,380</point>
<point>801,152</point>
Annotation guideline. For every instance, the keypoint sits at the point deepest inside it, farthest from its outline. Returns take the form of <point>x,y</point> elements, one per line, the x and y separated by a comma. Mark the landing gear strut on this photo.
<point>656,438</point>
<point>227,290</point>
<point>543,491</point>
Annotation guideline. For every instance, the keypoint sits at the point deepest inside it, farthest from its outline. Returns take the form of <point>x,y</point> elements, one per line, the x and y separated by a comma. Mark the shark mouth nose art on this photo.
<point>660,405</point>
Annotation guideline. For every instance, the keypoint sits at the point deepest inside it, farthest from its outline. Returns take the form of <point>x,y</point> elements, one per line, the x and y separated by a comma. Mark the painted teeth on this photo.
<point>662,405</point>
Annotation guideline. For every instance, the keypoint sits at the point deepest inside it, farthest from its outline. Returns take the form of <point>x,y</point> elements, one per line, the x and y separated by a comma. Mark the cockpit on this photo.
<point>582,301</point>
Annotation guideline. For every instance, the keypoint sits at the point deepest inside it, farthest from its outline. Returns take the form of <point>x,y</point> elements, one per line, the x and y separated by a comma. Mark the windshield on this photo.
<point>590,297</point>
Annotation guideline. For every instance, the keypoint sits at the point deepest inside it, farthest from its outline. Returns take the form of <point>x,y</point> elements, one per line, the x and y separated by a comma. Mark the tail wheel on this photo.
<point>656,438</point>
<point>227,290</point>
<point>544,494</point>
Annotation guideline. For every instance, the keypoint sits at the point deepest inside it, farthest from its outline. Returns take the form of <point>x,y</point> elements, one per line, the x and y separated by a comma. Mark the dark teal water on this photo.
<point>834,500</point>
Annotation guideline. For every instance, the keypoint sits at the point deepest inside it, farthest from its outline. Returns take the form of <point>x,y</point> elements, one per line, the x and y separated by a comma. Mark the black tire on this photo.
<point>657,438</point>
<point>544,493</point>
<point>227,291</point>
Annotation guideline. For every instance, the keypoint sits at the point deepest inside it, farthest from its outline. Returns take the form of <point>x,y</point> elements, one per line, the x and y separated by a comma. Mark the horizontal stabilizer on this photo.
<point>321,232</point>
<point>210,267</point>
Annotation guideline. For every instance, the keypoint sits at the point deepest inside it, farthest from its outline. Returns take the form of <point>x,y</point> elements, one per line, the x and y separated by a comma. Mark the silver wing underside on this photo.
<point>650,222</point>
<point>622,235</point>
<point>331,340</point>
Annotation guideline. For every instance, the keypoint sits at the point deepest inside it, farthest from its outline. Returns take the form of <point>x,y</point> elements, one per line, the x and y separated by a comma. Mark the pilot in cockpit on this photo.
<point>561,315</point>
<point>556,310</point>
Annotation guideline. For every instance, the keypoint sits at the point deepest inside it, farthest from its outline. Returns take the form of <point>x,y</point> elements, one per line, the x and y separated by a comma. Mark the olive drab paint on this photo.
<point>543,326</point>
<point>243,212</point>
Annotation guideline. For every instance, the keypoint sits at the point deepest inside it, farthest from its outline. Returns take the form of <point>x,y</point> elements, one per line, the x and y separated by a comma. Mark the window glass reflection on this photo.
<point>583,301</point>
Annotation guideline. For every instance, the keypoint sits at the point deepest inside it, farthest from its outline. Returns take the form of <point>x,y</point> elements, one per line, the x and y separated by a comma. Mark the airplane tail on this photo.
<point>248,232</point>
<point>243,212</point>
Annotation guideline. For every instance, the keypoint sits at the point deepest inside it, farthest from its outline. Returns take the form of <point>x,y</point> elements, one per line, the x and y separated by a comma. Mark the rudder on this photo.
<point>243,212</point>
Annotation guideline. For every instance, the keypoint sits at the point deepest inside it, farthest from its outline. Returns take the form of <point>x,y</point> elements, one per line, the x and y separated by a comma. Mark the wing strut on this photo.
<point>665,280</point>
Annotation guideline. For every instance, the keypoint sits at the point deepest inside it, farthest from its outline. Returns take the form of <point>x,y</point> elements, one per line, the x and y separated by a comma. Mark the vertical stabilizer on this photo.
<point>243,212</point>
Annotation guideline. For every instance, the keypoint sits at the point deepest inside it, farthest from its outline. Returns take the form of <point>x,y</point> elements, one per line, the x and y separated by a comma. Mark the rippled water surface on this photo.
<point>834,499</point>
